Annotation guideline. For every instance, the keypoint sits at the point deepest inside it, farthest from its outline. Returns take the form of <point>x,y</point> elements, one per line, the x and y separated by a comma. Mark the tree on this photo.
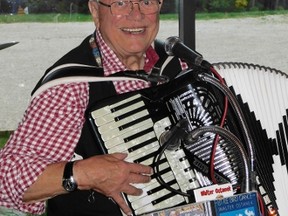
<point>61,6</point>
<point>169,6</point>
<point>222,5</point>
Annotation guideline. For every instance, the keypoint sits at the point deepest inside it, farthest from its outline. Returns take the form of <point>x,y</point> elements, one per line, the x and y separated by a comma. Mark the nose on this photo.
<point>135,11</point>
<point>133,8</point>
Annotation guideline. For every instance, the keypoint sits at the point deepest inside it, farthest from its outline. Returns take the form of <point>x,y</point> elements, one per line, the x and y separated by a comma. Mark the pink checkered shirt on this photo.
<point>50,130</point>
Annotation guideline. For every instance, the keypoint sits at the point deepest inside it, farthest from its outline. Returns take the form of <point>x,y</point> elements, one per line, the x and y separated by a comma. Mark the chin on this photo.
<point>137,50</point>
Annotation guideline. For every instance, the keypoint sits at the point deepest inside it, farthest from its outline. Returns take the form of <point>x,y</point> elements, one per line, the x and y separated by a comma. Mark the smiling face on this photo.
<point>127,35</point>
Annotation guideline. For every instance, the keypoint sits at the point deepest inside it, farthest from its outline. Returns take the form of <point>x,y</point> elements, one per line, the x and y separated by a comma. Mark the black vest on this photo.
<point>76,203</point>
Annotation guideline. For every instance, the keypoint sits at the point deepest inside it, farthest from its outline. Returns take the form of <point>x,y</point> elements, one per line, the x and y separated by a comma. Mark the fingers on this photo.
<point>120,156</point>
<point>133,167</point>
<point>118,198</point>
<point>140,168</point>
<point>112,175</point>
<point>138,178</point>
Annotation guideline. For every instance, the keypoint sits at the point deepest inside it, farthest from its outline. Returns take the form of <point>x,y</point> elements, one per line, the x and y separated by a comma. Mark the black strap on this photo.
<point>141,74</point>
<point>159,47</point>
<point>173,68</point>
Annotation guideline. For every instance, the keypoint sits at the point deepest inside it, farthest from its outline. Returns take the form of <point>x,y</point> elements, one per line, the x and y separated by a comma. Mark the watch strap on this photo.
<point>68,170</point>
<point>68,181</point>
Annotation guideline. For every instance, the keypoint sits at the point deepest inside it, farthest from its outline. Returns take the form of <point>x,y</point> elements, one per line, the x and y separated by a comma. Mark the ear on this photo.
<point>161,3</point>
<point>93,7</point>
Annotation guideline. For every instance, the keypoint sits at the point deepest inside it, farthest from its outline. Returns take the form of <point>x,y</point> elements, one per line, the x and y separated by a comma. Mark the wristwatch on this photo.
<point>68,181</point>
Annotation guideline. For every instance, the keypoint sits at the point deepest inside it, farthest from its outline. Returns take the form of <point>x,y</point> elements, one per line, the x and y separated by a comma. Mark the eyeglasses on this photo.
<point>124,8</point>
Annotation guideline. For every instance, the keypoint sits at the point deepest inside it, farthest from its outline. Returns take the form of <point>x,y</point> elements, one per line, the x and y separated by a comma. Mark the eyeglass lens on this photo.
<point>125,7</point>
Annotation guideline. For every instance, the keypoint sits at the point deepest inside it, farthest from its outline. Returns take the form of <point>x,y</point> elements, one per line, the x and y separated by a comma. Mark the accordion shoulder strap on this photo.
<point>74,72</point>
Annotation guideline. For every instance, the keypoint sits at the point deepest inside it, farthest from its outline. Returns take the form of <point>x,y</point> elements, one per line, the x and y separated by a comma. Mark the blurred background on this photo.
<point>169,6</point>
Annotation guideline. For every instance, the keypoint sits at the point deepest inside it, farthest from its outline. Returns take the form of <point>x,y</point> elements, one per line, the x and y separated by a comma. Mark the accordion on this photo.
<point>156,127</point>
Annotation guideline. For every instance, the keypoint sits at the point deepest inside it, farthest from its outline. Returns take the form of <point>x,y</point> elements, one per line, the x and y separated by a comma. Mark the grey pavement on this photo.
<point>261,41</point>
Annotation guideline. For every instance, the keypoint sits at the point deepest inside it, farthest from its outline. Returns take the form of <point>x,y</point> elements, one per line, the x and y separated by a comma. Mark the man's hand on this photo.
<point>111,175</point>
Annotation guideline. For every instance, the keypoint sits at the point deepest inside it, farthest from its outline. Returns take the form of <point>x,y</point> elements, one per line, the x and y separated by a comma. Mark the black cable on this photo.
<point>156,163</point>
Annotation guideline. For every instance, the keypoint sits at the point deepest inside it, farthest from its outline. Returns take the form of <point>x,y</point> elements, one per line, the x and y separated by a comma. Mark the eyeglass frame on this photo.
<point>133,2</point>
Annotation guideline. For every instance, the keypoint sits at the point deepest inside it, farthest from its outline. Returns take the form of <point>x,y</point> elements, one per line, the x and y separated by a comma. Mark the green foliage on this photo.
<point>3,138</point>
<point>57,6</point>
<point>40,6</point>
<point>169,6</point>
<point>54,18</point>
<point>243,14</point>
<point>221,5</point>
<point>240,4</point>
<point>46,17</point>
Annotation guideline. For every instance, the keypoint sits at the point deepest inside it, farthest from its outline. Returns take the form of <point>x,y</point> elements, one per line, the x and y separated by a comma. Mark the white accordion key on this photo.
<point>121,123</point>
<point>133,150</point>
<point>107,109</point>
<point>107,135</point>
<point>147,188</point>
<point>124,138</point>
<point>167,203</point>
<point>152,198</point>
<point>113,116</point>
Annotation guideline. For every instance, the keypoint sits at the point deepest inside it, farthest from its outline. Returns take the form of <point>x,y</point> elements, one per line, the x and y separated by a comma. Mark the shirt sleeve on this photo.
<point>48,133</point>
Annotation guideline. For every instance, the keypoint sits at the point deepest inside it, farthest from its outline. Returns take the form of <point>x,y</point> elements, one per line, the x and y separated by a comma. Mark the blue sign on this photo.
<point>240,205</point>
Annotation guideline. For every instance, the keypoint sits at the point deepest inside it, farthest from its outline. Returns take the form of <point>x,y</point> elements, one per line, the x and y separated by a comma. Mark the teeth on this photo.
<point>135,30</point>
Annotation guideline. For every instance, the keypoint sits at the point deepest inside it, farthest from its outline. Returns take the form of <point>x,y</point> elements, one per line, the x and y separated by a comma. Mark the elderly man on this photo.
<point>52,155</point>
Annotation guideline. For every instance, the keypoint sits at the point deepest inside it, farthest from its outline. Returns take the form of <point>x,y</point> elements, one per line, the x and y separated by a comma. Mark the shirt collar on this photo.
<point>110,62</point>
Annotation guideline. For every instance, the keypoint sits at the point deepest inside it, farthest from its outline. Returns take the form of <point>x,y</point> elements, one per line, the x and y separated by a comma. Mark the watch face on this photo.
<point>69,185</point>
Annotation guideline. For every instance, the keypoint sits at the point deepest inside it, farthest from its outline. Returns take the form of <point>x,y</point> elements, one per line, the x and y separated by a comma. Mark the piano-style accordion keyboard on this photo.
<point>138,123</point>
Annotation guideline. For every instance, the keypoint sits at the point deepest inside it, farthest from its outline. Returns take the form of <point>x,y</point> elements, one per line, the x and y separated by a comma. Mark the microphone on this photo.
<point>175,47</point>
